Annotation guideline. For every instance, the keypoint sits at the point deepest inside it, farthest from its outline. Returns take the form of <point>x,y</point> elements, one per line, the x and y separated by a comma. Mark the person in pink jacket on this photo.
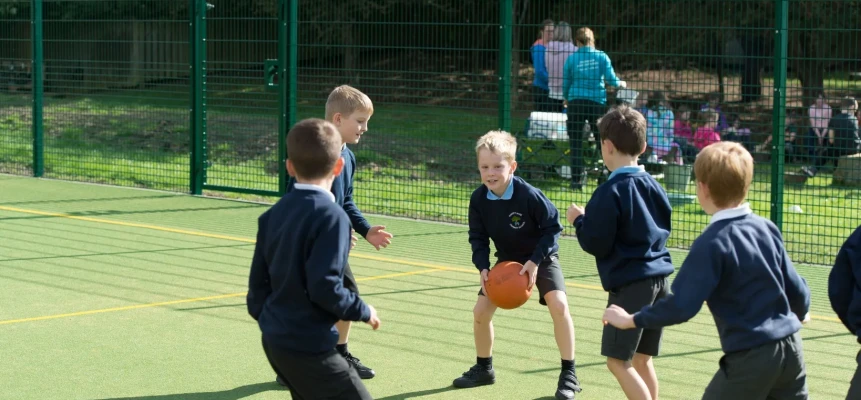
<point>557,52</point>
<point>707,134</point>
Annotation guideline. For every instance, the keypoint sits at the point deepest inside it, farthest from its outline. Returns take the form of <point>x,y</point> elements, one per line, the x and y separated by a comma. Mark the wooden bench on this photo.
<point>848,172</point>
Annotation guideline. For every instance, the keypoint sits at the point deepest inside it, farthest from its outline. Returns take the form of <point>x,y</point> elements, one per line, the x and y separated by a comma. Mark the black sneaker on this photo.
<point>476,376</point>
<point>568,385</point>
<point>809,171</point>
<point>364,372</point>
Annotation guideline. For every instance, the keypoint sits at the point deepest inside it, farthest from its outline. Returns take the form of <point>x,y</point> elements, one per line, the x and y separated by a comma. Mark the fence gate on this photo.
<point>238,115</point>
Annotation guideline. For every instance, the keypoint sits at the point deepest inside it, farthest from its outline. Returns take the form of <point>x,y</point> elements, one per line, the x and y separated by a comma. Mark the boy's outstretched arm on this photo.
<point>697,279</point>
<point>596,228</point>
<point>360,224</point>
<point>259,285</point>
<point>797,291</point>
<point>479,240</point>
<point>548,222</point>
<point>844,287</point>
<point>324,271</point>
<point>375,235</point>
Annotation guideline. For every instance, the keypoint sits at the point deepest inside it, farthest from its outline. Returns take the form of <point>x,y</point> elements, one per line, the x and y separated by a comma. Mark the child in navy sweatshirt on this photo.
<point>296,288</point>
<point>843,291</point>
<point>740,268</point>
<point>625,226</point>
<point>524,226</point>
<point>350,110</point>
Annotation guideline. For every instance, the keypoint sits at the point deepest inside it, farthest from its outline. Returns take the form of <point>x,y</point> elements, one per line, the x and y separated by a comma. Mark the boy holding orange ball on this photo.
<point>524,226</point>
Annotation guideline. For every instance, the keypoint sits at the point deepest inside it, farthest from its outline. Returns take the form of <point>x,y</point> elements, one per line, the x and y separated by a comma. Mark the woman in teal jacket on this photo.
<point>584,76</point>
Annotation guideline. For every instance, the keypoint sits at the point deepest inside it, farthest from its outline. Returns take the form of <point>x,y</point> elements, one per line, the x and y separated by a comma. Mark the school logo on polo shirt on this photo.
<point>516,220</point>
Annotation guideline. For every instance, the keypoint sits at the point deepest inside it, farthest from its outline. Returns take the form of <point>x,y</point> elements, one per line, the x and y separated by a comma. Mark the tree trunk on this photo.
<point>349,50</point>
<point>751,75</point>
<point>809,67</point>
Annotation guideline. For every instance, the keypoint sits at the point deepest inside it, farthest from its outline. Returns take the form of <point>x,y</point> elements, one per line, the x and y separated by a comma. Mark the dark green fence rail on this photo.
<point>196,96</point>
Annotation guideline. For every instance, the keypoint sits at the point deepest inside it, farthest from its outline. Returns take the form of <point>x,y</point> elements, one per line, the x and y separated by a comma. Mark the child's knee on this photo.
<point>641,360</point>
<point>483,312</point>
<point>557,303</point>
<point>615,365</point>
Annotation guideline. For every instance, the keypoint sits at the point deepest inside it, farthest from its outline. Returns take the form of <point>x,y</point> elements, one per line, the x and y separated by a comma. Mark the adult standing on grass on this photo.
<point>540,90</point>
<point>584,75</point>
<point>558,50</point>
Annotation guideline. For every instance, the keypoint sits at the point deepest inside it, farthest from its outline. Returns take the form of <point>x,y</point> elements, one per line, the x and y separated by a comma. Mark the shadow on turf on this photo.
<point>419,393</point>
<point>593,364</point>
<point>232,394</point>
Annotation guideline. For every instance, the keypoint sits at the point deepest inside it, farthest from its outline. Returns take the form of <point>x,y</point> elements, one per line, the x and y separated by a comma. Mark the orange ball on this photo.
<point>505,287</point>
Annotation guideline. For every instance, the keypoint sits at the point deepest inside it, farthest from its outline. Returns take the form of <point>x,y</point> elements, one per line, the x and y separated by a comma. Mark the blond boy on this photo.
<point>349,110</point>
<point>524,226</point>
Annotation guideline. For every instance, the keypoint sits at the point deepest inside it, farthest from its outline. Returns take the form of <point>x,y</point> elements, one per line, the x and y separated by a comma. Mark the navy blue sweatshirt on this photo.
<point>844,284</point>
<point>625,226</point>
<point>342,188</point>
<point>523,228</point>
<point>740,268</point>
<point>295,288</point>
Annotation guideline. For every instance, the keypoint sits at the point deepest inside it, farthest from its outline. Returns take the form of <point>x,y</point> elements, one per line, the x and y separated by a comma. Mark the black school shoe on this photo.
<point>476,376</point>
<point>568,385</point>
<point>364,372</point>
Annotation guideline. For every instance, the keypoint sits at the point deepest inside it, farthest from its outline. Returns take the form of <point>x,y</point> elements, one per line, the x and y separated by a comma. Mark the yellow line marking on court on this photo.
<point>128,224</point>
<point>123,308</point>
<point>192,300</point>
<point>247,240</point>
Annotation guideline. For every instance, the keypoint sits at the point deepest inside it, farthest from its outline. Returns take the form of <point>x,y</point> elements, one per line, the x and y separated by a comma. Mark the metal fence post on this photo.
<point>779,113</point>
<point>38,60</point>
<point>288,43</point>
<point>506,22</point>
<point>197,76</point>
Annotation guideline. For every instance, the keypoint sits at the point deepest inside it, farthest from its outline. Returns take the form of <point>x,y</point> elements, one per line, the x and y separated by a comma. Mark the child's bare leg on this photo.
<point>563,326</point>
<point>646,369</point>
<point>343,328</point>
<point>483,326</point>
<point>630,381</point>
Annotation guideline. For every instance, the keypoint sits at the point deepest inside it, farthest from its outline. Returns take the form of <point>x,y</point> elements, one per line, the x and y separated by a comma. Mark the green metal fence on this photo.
<point>196,96</point>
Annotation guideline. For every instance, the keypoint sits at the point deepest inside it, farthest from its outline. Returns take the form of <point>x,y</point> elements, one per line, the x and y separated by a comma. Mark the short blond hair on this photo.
<point>585,37</point>
<point>498,142</point>
<point>346,100</point>
<point>726,168</point>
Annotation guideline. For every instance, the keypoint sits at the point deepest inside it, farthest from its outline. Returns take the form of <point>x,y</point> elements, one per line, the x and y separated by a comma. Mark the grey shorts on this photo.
<point>621,344</point>
<point>548,278</point>
<point>774,370</point>
<point>350,280</point>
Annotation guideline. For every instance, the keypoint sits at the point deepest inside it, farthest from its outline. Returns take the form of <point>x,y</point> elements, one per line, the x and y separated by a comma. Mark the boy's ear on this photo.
<point>513,166</point>
<point>339,165</point>
<point>336,119</point>
<point>290,170</point>
<point>643,149</point>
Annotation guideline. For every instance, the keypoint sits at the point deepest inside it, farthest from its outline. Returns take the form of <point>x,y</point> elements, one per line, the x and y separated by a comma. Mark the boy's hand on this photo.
<point>353,239</point>
<point>618,317</point>
<point>484,279</point>
<point>573,212</point>
<point>623,84</point>
<point>530,268</point>
<point>377,237</point>
<point>806,318</point>
<point>374,321</point>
